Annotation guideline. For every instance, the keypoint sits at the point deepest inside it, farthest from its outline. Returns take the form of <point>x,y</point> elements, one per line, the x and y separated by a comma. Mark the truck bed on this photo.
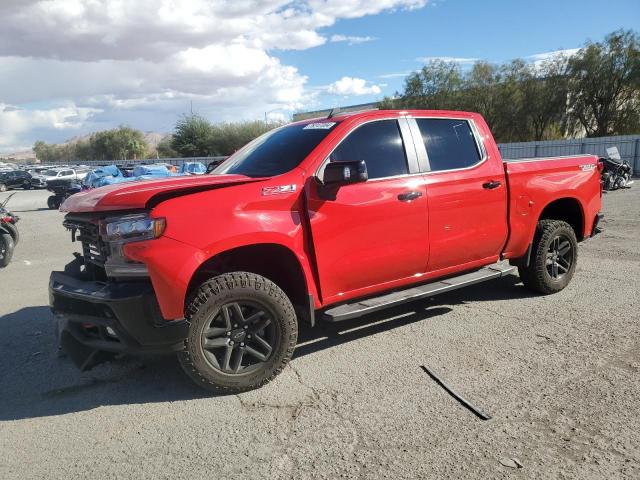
<point>534,182</point>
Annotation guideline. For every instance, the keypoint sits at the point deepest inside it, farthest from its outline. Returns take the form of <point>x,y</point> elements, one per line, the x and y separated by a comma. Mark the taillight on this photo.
<point>600,165</point>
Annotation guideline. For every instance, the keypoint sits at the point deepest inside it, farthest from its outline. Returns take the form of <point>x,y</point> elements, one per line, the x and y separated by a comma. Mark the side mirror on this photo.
<point>345,173</point>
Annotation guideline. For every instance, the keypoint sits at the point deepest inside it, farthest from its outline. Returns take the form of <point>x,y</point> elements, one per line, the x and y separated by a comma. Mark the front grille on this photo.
<point>94,250</point>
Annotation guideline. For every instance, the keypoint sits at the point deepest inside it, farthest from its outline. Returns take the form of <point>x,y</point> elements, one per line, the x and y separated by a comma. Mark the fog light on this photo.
<point>111,332</point>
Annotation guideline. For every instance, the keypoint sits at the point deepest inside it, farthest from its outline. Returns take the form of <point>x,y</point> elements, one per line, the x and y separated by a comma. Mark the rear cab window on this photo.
<point>450,143</point>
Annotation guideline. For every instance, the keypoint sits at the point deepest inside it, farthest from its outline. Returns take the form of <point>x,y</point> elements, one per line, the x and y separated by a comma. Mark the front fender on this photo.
<point>172,265</point>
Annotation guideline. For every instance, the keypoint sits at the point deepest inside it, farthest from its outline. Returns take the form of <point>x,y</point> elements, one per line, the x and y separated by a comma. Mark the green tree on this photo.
<point>165,149</point>
<point>604,86</point>
<point>122,143</point>
<point>226,138</point>
<point>544,97</point>
<point>192,136</point>
<point>44,152</point>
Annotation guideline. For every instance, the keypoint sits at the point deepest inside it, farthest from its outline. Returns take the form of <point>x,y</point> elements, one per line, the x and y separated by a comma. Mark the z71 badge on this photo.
<point>588,167</point>
<point>280,189</point>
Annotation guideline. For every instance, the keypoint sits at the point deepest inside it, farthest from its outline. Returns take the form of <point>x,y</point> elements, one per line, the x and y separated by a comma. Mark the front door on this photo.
<point>374,232</point>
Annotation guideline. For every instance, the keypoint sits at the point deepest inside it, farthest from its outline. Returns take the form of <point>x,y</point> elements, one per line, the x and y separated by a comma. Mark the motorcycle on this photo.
<point>616,172</point>
<point>61,189</point>
<point>9,235</point>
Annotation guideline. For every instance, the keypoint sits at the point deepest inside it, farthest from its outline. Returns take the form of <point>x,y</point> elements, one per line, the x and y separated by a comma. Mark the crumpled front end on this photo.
<point>104,303</point>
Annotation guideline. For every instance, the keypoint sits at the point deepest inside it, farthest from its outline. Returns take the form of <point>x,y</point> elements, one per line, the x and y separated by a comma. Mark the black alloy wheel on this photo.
<point>554,255</point>
<point>559,257</point>
<point>240,337</point>
<point>242,332</point>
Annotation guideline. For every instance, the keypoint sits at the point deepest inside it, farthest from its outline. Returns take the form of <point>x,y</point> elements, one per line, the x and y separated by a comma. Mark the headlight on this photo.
<point>132,228</point>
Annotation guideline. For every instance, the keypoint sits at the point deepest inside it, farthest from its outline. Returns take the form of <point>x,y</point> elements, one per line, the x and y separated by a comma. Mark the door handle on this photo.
<point>408,196</point>
<point>491,185</point>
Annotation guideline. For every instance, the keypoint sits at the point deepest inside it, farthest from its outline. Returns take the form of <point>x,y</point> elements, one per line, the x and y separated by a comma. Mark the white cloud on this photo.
<point>460,60</point>
<point>542,57</point>
<point>350,39</point>
<point>16,121</point>
<point>396,74</point>
<point>144,61</point>
<point>353,86</point>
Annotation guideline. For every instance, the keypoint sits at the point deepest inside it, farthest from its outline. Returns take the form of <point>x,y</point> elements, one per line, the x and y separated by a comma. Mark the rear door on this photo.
<point>374,232</point>
<point>466,191</point>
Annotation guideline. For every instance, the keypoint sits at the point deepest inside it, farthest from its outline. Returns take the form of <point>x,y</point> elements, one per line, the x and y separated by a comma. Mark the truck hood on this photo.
<point>139,194</point>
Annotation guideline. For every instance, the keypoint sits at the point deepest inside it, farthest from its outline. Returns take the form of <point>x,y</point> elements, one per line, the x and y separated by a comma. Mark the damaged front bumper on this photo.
<point>98,320</point>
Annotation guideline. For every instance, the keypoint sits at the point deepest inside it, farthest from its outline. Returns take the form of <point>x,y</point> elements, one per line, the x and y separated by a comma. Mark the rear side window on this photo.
<point>379,144</point>
<point>450,143</point>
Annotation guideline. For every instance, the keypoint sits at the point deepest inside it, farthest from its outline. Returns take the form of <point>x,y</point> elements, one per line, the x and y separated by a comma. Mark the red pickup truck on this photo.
<point>324,219</point>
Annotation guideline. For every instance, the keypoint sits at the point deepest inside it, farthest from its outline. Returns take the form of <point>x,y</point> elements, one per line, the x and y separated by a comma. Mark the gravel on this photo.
<point>557,374</point>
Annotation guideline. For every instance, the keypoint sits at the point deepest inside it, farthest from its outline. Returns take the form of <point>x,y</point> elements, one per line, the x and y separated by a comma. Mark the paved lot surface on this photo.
<point>560,375</point>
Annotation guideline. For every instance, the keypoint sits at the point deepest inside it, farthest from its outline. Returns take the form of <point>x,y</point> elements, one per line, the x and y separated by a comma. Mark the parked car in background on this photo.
<point>324,219</point>
<point>15,179</point>
<point>192,168</point>
<point>60,173</point>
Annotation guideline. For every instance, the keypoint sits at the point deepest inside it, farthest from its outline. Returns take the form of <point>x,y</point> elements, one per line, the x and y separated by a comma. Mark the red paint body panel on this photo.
<point>136,195</point>
<point>534,184</point>
<point>362,242</point>
<point>366,237</point>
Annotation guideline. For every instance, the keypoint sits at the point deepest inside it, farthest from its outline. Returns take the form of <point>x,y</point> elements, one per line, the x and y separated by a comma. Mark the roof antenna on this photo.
<point>333,112</point>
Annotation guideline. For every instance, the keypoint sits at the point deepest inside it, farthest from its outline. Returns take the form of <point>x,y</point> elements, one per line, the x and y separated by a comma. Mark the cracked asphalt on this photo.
<point>559,376</point>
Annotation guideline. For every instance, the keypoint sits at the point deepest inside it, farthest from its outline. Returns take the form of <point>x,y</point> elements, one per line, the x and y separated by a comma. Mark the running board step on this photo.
<point>362,307</point>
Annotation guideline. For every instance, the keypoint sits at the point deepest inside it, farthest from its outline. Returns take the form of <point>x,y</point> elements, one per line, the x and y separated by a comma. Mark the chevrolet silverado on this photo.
<point>319,220</point>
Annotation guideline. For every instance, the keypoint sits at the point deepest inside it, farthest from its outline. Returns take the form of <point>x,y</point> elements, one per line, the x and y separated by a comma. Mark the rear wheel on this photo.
<point>553,257</point>
<point>6,249</point>
<point>242,333</point>
<point>53,203</point>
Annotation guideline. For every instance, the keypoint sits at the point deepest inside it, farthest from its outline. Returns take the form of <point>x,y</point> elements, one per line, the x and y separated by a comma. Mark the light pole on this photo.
<point>267,113</point>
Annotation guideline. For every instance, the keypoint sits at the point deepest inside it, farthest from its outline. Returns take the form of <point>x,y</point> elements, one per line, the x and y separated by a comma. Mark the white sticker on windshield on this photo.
<point>319,126</point>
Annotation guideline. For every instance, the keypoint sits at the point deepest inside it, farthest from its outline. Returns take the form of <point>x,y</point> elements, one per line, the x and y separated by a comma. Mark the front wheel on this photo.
<point>242,333</point>
<point>553,257</point>
<point>6,249</point>
<point>13,231</point>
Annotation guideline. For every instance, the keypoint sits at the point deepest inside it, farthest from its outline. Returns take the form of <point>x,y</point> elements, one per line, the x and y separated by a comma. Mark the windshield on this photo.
<point>50,173</point>
<point>278,151</point>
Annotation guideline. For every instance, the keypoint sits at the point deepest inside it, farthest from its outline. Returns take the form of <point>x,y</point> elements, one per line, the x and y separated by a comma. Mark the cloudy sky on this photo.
<point>69,67</point>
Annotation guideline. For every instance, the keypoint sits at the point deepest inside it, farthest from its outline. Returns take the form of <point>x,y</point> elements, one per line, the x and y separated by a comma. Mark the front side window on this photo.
<point>379,144</point>
<point>450,143</point>
<point>278,151</point>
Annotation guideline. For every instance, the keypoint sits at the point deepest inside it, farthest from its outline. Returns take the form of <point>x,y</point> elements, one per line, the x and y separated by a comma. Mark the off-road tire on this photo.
<point>210,297</point>
<point>536,277</point>
<point>6,249</point>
